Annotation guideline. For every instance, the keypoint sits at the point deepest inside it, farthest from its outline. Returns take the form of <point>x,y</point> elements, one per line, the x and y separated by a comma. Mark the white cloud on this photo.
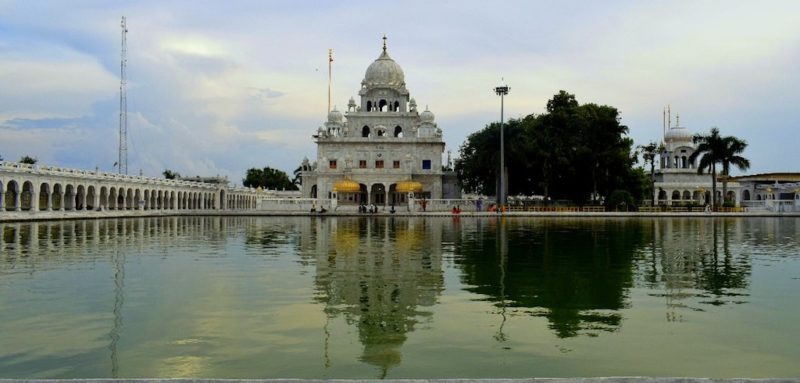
<point>65,86</point>
<point>218,89</point>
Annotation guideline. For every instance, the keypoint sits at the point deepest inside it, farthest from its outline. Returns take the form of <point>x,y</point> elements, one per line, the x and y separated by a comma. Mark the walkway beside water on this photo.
<point>23,216</point>
<point>532,380</point>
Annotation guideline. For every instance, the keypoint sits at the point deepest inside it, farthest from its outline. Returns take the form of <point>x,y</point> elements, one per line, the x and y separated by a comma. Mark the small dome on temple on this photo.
<point>335,116</point>
<point>427,115</point>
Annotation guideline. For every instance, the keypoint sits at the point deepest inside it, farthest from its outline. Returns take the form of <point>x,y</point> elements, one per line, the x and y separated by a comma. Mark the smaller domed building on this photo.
<point>677,181</point>
<point>380,150</point>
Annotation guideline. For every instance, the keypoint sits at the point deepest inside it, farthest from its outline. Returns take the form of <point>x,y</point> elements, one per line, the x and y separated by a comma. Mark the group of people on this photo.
<point>371,208</point>
<point>457,209</point>
<point>322,209</point>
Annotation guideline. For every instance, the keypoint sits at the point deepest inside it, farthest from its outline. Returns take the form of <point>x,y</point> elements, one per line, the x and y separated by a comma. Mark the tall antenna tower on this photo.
<point>122,163</point>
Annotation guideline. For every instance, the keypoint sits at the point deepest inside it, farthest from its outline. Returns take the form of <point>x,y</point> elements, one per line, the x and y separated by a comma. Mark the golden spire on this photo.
<point>384,43</point>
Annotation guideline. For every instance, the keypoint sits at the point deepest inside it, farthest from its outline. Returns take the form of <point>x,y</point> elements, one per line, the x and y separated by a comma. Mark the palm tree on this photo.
<point>649,153</point>
<point>718,149</point>
<point>730,156</point>
<point>711,147</point>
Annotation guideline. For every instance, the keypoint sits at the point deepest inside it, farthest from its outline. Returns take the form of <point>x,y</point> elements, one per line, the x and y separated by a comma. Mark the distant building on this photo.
<point>677,181</point>
<point>770,191</point>
<point>381,149</point>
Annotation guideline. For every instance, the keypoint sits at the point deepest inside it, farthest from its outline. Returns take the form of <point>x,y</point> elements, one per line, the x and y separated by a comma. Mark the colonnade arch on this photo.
<point>238,201</point>
<point>53,189</point>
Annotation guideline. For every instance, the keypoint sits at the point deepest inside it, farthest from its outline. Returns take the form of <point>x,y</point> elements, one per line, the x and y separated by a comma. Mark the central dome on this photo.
<point>678,134</point>
<point>384,72</point>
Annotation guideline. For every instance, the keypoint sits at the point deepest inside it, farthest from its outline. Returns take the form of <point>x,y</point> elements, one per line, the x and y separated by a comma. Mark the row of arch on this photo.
<point>383,106</point>
<point>30,195</point>
<point>380,194</point>
<point>366,131</point>
<point>677,162</point>
<point>686,196</point>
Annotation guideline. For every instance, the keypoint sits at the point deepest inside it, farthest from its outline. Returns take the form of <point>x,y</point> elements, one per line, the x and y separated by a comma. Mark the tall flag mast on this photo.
<point>330,61</point>
<point>122,162</point>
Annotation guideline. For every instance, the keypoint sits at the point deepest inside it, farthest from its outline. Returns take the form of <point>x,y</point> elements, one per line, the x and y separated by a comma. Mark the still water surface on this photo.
<point>260,297</point>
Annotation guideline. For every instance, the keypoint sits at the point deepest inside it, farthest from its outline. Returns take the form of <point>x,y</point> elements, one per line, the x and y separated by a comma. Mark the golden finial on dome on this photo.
<point>384,42</point>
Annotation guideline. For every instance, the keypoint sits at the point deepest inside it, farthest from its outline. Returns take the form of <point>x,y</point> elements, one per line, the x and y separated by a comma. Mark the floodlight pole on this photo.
<point>501,190</point>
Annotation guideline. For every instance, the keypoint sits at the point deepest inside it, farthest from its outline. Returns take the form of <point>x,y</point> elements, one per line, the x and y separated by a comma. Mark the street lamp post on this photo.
<point>501,190</point>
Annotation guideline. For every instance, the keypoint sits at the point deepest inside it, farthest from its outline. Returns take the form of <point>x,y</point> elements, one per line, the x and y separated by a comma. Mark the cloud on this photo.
<point>266,93</point>
<point>219,88</point>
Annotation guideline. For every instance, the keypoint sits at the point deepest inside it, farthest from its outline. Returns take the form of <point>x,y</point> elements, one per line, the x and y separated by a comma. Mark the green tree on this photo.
<point>649,154</point>
<point>711,147</point>
<point>28,160</point>
<point>477,166</point>
<point>732,148</point>
<point>170,175</point>
<point>576,152</point>
<point>297,179</point>
<point>718,149</point>
<point>268,178</point>
<point>619,199</point>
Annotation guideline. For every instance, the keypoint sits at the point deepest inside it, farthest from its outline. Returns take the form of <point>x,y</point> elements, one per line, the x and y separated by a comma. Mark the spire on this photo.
<point>384,43</point>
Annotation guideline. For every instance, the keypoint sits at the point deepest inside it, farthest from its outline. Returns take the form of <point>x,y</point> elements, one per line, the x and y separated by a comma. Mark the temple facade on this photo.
<point>677,181</point>
<point>381,149</point>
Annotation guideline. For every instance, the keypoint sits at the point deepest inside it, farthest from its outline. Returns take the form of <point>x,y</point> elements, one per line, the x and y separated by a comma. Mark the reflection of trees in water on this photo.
<point>376,273</point>
<point>568,273</point>
<point>693,258</point>
<point>720,271</point>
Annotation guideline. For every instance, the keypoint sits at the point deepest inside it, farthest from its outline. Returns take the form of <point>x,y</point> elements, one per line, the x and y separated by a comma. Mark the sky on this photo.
<point>215,88</point>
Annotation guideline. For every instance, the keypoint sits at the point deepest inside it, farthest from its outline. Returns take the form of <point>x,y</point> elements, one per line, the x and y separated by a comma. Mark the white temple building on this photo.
<point>381,149</point>
<point>676,179</point>
<point>677,182</point>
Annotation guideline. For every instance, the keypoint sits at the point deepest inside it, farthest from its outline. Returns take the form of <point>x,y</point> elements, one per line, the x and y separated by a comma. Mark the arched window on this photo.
<point>684,164</point>
<point>746,195</point>
<point>369,106</point>
<point>396,106</point>
<point>398,131</point>
<point>676,195</point>
<point>382,105</point>
<point>365,131</point>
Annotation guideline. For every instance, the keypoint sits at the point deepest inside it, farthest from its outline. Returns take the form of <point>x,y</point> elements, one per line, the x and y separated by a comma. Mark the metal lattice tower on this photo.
<point>122,162</point>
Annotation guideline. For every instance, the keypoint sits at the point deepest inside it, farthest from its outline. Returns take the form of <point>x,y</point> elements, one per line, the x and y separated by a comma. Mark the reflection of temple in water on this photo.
<point>708,261</point>
<point>377,273</point>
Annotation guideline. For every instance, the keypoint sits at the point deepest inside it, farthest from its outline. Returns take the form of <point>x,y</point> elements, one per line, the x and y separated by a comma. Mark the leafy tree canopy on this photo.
<point>170,175</point>
<point>28,160</point>
<point>268,178</point>
<point>575,152</point>
<point>716,149</point>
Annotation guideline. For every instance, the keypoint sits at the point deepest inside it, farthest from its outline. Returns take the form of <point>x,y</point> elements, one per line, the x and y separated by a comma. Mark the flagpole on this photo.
<point>330,60</point>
